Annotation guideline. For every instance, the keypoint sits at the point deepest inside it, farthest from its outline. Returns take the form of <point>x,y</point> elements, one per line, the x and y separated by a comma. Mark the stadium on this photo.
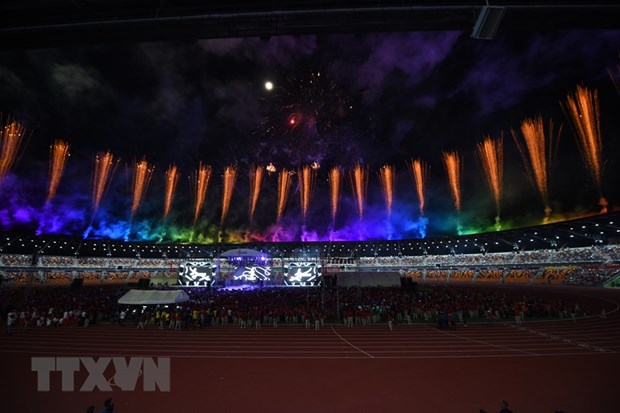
<point>316,207</point>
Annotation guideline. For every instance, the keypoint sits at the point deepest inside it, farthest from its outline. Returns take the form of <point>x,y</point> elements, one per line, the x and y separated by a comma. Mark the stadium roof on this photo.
<point>41,23</point>
<point>595,230</point>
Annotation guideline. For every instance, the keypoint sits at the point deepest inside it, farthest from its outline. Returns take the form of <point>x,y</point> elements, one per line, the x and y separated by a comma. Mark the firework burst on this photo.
<point>284,185</point>
<point>537,151</point>
<point>11,137</point>
<point>583,110</point>
<point>201,179</point>
<point>420,172</point>
<point>105,166</point>
<point>256,178</point>
<point>387,176</point>
<point>228,185</point>
<point>490,153</point>
<point>142,174</point>
<point>304,114</point>
<point>306,177</point>
<point>172,178</point>
<point>358,177</point>
<point>454,168</point>
<point>59,153</point>
<point>335,179</point>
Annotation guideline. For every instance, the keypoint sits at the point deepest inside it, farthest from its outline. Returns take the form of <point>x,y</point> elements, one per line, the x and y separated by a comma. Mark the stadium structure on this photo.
<point>362,323</point>
<point>42,23</point>
<point>582,251</point>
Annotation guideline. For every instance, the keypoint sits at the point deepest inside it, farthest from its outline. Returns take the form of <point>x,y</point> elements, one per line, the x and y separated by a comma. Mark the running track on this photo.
<point>537,367</point>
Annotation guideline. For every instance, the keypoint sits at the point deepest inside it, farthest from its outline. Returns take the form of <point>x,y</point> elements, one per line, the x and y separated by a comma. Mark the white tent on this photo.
<point>146,297</point>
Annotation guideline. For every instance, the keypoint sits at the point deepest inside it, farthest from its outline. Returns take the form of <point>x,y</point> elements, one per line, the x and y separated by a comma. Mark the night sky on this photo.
<point>337,100</point>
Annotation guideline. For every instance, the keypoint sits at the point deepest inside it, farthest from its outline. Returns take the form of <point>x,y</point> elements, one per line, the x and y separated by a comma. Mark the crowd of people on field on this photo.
<point>311,307</point>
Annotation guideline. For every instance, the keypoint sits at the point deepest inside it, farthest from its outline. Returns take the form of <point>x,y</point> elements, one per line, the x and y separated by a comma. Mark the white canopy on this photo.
<point>146,297</point>
<point>242,252</point>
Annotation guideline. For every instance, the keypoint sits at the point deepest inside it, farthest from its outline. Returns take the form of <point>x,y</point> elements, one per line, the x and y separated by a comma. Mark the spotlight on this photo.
<point>488,22</point>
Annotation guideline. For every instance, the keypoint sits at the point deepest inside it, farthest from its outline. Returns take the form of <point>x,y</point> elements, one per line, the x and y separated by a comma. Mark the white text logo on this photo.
<point>124,375</point>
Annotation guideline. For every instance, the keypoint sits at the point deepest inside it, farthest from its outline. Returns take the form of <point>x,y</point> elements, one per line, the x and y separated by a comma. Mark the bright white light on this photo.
<point>268,85</point>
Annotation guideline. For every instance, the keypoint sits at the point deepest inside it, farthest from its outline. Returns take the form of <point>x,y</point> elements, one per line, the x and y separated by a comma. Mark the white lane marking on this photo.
<point>487,343</point>
<point>355,347</point>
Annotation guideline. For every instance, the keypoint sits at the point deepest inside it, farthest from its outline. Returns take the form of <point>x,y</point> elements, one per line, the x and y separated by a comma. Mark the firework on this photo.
<point>583,110</point>
<point>228,183</point>
<point>284,185</point>
<point>490,153</point>
<point>201,179</point>
<point>142,173</point>
<point>11,136</point>
<point>358,177</point>
<point>172,178</point>
<point>537,153</point>
<point>420,172</point>
<point>387,176</point>
<point>304,112</point>
<point>306,177</point>
<point>256,179</point>
<point>309,100</point>
<point>59,153</point>
<point>453,164</point>
<point>334,190</point>
<point>105,166</point>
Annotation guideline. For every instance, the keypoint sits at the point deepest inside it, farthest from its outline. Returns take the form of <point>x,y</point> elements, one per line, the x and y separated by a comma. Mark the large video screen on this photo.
<point>252,274</point>
<point>303,274</point>
<point>196,273</point>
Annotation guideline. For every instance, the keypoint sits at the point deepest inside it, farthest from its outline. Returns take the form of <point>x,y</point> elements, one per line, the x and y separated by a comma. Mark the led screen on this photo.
<point>252,273</point>
<point>303,273</point>
<point>196,273</point>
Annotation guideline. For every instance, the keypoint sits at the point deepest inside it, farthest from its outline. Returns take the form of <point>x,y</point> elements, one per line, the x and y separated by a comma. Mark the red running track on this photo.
<point>538,367</point>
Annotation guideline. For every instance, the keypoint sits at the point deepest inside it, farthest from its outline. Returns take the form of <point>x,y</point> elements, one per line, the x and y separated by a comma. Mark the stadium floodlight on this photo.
<point>488,22</point>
